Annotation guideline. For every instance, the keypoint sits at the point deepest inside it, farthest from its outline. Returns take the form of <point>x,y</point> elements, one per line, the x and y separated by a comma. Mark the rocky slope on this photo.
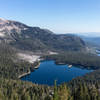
<point>29,38</point>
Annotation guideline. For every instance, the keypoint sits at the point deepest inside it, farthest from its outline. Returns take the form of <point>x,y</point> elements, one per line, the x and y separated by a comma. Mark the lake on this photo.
<point>98,52</point>
<point>48,72</point>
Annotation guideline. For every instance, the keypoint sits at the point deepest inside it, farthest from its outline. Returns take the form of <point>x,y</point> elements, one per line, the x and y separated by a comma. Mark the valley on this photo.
<point>21,50</point>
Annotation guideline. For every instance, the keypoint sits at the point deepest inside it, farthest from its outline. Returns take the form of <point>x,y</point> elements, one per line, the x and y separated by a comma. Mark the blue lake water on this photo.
<point>98,52</point>
<point>48,72</point>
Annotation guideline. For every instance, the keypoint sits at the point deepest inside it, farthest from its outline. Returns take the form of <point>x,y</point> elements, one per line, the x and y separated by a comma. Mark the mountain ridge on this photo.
<point>25,37</point>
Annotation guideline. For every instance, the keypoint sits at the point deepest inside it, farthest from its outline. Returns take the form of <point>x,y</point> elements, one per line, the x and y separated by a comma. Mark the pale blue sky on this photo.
<point>60,16</point>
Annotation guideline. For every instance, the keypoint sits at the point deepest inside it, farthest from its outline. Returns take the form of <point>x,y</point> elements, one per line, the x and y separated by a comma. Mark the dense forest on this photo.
<point>12,88</point>
<point>10,66</point>
<point>18,90</point>
<point>81,59</point>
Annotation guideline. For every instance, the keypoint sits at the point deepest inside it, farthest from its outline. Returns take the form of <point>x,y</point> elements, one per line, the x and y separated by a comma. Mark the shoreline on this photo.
<point>27,73</point>
<point>24,74</point>
<point>37,66</point>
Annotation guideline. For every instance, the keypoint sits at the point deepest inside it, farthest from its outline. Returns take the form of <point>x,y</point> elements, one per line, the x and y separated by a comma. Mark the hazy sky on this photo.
<point>60,16</point>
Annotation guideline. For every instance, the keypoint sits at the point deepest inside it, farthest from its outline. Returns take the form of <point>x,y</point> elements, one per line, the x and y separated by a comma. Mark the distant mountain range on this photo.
<point>89,34</point>
<point>25,37</point>
<point>92,41</point>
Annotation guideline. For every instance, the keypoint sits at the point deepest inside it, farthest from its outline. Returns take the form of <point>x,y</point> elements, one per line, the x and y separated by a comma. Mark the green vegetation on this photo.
<point>10,67</point>
<point>11,88</point>
<point>81,59</point>
<point>37,39</point>
<point>18,90</point>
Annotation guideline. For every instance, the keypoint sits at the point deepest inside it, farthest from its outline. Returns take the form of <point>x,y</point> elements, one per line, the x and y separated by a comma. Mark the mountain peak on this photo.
<point>7,27</point>
<point>3,21</point>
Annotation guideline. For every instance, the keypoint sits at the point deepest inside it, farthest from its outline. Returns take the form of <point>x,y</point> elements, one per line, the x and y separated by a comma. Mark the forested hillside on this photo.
<point>81,59</point>
<point>83,88</point>
<point>10,67</point>
<point>18,90</point>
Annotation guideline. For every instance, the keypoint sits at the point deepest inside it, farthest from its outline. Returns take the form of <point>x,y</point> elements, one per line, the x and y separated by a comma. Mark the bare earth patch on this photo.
<point>28,57</point>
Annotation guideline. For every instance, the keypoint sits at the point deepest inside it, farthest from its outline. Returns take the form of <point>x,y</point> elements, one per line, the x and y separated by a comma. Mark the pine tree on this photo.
<point>56,97</point>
